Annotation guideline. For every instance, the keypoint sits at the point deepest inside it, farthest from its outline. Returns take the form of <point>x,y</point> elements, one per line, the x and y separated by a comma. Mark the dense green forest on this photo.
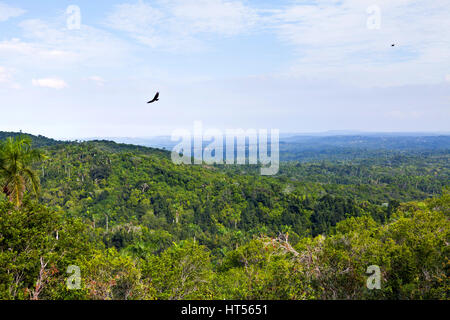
<point>140,227</point>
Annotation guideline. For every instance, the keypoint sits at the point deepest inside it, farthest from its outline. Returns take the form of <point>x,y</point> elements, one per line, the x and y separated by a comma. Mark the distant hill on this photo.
<point>307,148</point>
<point>38,141</point>
<point>114,147</point>
<point>372,141</point>
<point>104,145</point>
<point>296,148</point>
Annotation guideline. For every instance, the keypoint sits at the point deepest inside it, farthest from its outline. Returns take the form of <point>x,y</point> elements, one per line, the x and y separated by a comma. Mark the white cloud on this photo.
<point>4,74</point>
<point>51,45</point>
<point>53,83</point>
<point>214,16</point>
<point>7,12</point>
<point>331,39</point>
<point>178,24</point>
<point>15,48</point>
<point>141,22</point>
<point>6,78</point>
<point>134,17</point>
<point>97,80</point>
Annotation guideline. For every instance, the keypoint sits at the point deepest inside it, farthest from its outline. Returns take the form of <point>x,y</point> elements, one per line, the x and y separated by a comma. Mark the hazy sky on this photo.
<point>297,66</point>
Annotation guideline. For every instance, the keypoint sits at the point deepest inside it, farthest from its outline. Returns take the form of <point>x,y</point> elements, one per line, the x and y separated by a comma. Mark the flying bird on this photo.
<point>155,98</point>
<point>393,45</point>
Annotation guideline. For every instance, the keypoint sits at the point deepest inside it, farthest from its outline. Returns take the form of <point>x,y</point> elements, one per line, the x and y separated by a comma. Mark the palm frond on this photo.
<point>16,172</point>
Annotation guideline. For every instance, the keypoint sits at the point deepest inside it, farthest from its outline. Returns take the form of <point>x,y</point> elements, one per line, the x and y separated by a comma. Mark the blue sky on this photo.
<point>297,66</point>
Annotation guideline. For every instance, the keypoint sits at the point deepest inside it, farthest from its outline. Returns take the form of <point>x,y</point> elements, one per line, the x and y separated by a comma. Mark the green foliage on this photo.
<point>257,271</point>
<point>16,174</point>
<point>110,276</point>
<point>36,246</point>
<point>411,251</point>
<point>183,271</point>
<point>140,227</point>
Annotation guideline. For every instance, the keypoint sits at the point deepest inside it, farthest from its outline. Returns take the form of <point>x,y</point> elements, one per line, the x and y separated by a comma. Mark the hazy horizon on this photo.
<point>329,133</point>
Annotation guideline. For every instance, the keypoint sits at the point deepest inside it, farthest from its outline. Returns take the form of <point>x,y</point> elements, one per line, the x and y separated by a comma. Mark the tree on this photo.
<point>37,244</point>
<point>16,173</point>
<point>183,271</point>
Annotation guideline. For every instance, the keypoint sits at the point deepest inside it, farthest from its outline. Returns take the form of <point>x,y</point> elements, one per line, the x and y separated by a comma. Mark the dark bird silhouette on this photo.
<point>393,45</point>
<point>155,98</point>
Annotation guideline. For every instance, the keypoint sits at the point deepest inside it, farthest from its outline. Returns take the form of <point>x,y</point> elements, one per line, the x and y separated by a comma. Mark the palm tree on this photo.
<point>16,173</point>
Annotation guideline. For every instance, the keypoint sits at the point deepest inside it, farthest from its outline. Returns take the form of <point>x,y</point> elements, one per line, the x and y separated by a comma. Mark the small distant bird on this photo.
<point>155,98</point>
<point>393,45</point>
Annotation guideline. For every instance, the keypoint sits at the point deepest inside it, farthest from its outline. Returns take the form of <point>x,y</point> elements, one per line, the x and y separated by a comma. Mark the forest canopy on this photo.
<point>138,226</point>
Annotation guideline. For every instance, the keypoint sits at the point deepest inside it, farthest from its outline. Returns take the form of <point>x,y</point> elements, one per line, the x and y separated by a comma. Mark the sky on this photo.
<point>80,69</point>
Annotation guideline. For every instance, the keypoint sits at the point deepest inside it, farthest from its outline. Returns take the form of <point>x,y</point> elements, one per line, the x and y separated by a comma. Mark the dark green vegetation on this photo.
<point>140,227</point>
